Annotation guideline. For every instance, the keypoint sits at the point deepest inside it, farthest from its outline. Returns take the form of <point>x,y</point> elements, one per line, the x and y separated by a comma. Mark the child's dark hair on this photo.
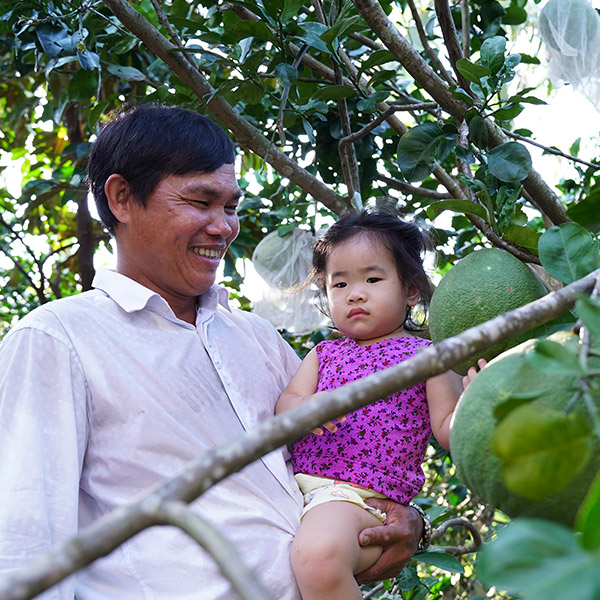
<point>405,241</point>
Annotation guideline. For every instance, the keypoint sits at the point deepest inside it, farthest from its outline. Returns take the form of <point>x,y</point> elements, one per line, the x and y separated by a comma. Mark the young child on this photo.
<point>370,269</point>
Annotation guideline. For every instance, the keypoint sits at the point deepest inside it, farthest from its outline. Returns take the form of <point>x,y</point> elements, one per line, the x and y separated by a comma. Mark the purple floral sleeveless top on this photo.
<point>380,446</point>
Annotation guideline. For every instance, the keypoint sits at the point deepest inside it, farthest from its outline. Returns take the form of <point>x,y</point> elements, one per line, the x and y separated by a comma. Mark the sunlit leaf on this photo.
<point>444,561</point>
<point>541,450</point>
<point>588,517</point>
<point>568,252</point>
<point>539,560</point>
<point>463,206</point>
<point>588,310</point>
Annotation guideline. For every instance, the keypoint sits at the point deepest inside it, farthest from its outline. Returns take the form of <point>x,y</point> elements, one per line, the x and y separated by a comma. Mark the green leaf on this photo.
<point>420,147</point>
<point>523,236</point>
<point>471,71</point>
<point>333,92</point>
<point>492,53</point>
<point>290,9</point>
<point>287,74</point>
<point>507,112</point>
<point>478,133</point>
<point>515,15</point>
<point>462,206</point>
<point>555,358</point>
<point>509,162</point>
<point>444,561</point>
<point>88,59</point>
<point>379,57</point>
<point>568,252</point>
<point>127,73</point>
<point>586,212</point>
<point>539,560</point>
<point>514,400</point>
<point>588,517</point>
<point>52,38</point>
<point>83,85</point>
<point>588,310</point>
<point>541,450</point>
<point>245,29</point>
<point>341,26</point>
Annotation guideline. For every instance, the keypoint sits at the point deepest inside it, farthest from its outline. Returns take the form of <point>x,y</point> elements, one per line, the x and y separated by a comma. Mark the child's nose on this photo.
<point>356,295</point>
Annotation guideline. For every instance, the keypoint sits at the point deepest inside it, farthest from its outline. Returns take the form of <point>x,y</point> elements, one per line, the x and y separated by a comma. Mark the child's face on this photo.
<point>367,300</point>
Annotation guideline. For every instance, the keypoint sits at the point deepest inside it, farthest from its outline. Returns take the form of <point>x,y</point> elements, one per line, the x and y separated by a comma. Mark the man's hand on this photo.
<point>399,537</point>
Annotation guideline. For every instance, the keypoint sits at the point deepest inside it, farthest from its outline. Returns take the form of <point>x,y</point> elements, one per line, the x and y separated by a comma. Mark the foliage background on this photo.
<point>409,105</point>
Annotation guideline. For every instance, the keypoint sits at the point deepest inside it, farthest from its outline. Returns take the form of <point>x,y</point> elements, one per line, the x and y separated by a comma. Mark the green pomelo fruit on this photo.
<point>474,422</point>
<point>477,288</point>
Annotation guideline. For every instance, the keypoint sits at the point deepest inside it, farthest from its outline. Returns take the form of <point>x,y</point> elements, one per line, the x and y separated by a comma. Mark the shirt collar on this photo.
<point>132,296</point>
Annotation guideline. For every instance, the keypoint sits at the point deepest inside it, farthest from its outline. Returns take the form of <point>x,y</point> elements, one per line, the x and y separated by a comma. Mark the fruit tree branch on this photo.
<point>246,134</point>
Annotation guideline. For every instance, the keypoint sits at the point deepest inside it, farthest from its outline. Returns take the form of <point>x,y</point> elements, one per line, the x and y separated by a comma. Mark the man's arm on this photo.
<point>42,433</point>
<point>400,538</point>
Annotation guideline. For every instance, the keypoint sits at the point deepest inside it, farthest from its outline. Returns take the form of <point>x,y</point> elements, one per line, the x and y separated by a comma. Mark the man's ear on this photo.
<point>119,197</point>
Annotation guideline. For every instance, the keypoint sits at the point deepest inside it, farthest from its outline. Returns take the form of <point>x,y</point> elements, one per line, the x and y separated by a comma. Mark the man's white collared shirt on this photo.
<point>105,394</point>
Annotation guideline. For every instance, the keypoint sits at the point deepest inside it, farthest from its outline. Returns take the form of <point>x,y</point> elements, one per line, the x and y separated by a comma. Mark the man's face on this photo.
<point>175,243</point>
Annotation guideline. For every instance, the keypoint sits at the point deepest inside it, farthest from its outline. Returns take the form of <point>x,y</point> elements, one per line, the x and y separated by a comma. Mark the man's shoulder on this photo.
<point>63,310</point>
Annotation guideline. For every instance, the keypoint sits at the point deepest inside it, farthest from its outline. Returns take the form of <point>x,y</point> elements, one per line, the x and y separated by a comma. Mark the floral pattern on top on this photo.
<point>380,446</point>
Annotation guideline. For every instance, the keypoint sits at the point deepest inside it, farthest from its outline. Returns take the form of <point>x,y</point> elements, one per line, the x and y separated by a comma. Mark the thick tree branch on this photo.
<point>442,10</point>
<point>107,533</point>
<point>246,134</point>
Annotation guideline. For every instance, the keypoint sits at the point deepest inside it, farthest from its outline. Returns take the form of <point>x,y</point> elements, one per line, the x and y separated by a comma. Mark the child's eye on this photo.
<point>340,284</point>
<point>373,279</point>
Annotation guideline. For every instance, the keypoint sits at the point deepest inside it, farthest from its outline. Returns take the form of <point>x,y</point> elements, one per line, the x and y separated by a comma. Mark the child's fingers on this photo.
<point>473,371</point>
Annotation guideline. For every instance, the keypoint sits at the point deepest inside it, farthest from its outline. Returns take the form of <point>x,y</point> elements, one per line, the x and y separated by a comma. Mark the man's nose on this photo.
<point>219,224</point>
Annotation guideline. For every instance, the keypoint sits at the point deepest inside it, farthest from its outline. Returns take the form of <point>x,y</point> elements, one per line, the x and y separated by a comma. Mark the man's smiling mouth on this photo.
<point>207,252</point>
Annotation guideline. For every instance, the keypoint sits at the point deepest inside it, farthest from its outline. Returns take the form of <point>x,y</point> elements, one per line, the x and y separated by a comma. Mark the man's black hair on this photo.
<point>150,142</point>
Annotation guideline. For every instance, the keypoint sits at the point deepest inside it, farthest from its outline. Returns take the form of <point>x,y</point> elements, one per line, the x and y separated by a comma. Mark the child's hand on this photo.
<point>473,371</point>
<point>330,425</point>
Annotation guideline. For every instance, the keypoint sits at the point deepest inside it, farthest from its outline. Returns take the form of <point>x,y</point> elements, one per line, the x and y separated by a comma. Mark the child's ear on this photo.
<point>412,294</point>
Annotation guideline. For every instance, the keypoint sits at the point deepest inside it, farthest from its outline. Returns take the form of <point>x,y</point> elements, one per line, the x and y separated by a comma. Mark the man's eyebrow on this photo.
<point>211,191</point>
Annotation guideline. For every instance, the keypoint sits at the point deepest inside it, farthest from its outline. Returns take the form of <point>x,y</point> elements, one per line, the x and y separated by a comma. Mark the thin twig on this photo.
<point>465,524</point>
<point>223,552</point>
<point>433,57</point>
<point>415,191</point>
<point>527,140</point>
<point>353,137</point>
<point>466,25</point>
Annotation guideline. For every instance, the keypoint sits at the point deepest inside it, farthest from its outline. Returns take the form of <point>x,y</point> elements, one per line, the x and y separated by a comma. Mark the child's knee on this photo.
<point>321,559</point>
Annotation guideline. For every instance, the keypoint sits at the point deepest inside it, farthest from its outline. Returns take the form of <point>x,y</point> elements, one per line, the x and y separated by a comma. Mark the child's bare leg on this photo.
<point>326,552</point>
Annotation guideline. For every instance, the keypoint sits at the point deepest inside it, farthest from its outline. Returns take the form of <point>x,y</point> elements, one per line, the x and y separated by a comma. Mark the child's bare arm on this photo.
<point>302,385</point>
<point>443,392</point>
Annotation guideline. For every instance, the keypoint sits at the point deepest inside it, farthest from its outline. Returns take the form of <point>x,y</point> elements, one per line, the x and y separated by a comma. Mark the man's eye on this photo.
<point>231,210</point>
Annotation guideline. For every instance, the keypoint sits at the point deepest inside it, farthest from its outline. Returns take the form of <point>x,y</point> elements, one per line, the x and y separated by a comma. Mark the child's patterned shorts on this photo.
<point>318,490</point>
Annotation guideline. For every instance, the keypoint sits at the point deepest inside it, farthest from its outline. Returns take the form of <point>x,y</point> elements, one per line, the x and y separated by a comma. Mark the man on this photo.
<point>105,394</point>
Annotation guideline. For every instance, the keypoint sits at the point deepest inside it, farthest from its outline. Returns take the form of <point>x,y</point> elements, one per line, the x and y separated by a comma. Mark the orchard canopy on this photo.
<point>334,105</point>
